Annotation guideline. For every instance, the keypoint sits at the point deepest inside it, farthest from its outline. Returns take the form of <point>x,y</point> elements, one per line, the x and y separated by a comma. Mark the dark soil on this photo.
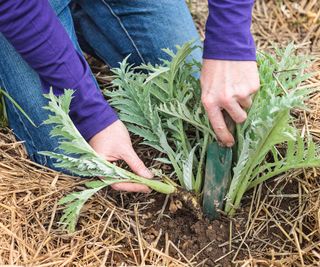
<point>189,234</point>
<point>204,242</point>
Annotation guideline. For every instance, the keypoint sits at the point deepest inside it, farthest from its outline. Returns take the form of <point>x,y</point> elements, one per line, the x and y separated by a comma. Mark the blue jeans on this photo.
<point>108,29</point>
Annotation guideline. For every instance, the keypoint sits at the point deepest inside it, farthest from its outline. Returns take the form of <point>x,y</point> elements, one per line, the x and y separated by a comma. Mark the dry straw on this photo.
<point>282,218</point>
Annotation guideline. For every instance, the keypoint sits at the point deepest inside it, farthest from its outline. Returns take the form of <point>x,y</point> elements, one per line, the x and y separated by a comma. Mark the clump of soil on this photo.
<point>188,233</point>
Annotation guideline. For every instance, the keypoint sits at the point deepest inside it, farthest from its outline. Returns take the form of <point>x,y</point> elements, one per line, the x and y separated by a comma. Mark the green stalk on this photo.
<point>171,155</point>
<point>176,168</point>
<point>183,138</point>
<point>198,182</point>
<point>231,206</point>
<point>16,105</point>
<point>242,182</point>
<point>153,184</point>
<point>3,113</point>
<point>280,171</point>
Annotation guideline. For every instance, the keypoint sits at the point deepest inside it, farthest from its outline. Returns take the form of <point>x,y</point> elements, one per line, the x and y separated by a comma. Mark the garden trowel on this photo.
<point>217,175</point>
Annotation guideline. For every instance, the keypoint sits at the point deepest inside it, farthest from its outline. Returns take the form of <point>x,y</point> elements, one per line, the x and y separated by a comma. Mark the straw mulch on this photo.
<point>30,234</point>
<point>281,218</point>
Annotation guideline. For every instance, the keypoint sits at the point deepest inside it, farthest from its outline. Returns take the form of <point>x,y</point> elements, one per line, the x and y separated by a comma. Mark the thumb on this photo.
<point>137,165</point>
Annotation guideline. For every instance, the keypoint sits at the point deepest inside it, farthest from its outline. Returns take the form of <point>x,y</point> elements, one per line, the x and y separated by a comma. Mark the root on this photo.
<point>183,199</point>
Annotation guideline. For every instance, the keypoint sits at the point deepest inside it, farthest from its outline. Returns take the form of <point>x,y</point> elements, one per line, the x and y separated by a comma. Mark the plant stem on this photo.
<point>260,152</point>
<point>281,170</point>
<point>158,186</point>
<point>198,182</point>
<point>183,138</point>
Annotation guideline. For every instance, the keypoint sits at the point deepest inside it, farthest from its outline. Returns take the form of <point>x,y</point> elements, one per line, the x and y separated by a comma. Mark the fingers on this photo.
<point>220,128</point>
<point>131,187</point>
<point>136,164</point>
<point>246,102</point>
<point>234,106</point>
<point>235,111</point>
<point>227,85</point>
<point>138,167</point>
<point>113,143</point>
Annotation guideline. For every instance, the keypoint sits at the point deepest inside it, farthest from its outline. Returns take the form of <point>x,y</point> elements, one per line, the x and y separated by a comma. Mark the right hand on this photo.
<point>227,85</point>
<point>113,143</point>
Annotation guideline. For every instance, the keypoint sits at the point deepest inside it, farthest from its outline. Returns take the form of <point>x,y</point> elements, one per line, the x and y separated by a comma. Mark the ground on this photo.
<point>277,225</point>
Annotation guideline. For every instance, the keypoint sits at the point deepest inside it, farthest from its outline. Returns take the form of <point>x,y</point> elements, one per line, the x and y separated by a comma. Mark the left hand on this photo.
<point>227,85</point>
<point>113,143</point>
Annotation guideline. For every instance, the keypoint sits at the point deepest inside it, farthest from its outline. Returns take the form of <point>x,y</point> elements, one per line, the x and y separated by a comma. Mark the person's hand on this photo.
<point>227,85</point>
<point>113,143</point>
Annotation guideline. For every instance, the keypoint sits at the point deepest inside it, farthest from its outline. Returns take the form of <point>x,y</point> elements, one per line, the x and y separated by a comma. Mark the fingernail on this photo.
<point>230,144</point>
<point>148,191</point>
<point>147,173</point>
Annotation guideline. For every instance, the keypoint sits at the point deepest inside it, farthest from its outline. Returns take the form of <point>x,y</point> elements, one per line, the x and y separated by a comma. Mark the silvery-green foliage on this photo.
<point>171,119</point>
<point>75,201</point>
<point>162,105</point>
<point>79,158</point>
<point>269,124</point>
<point>179,127</point>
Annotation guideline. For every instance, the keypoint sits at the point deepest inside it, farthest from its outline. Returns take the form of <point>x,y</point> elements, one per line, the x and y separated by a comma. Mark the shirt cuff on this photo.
<point>213,51</point>
<point>91,126</point>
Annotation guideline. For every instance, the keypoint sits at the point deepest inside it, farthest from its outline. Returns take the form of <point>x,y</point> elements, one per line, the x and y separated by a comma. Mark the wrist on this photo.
<point>93,122</point>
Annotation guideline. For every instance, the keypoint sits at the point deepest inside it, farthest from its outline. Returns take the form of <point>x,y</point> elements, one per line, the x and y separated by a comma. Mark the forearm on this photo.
<point>33,29</point>
<point>228,33</point>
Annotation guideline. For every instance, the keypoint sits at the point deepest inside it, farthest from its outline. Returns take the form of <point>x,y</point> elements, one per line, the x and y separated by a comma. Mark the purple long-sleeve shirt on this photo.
<point>34,30</point>
<point>228,35</point>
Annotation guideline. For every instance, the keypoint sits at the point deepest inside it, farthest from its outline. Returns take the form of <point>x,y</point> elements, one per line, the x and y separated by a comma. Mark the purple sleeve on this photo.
<point>228,35</point>
<point>34,30</point>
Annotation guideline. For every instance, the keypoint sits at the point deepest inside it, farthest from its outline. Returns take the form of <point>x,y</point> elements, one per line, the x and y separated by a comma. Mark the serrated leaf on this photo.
<point>163,160</point>
<point>79,158</point>
<point>188,178</point>
<point>269,124</point>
